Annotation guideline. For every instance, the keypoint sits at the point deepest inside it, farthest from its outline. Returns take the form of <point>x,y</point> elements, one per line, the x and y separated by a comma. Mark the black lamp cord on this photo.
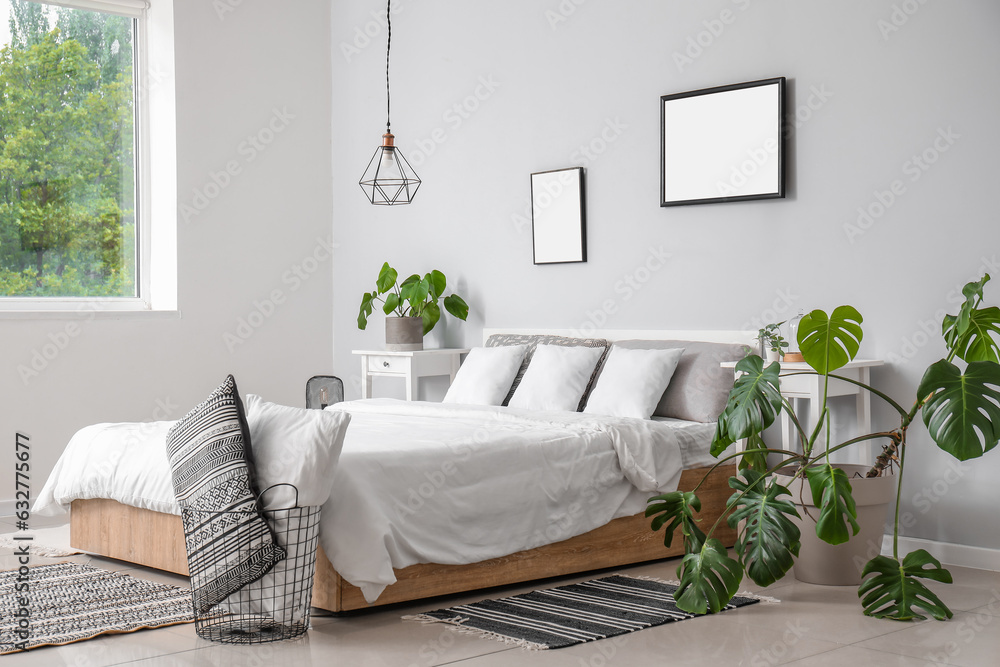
<point>388,44</point>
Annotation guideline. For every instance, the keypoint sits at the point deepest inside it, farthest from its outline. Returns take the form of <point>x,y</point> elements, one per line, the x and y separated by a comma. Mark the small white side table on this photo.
<point>410,365</point>
<point>810,388</point>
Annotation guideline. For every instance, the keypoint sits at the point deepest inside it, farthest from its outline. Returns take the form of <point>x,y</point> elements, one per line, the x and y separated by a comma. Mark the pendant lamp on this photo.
<point>389,179</point>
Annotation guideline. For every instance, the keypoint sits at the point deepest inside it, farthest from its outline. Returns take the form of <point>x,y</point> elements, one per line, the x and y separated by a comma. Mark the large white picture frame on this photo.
<point>723,144</point>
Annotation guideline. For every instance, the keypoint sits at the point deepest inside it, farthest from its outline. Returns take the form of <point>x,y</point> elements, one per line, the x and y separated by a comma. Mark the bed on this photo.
<point>148,536</point>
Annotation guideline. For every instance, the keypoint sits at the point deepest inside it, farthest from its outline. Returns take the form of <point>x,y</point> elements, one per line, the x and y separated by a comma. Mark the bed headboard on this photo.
<point>719,336</point>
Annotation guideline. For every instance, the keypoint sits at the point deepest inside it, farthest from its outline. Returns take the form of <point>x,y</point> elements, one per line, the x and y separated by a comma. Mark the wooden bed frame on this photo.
<point>108,528</point>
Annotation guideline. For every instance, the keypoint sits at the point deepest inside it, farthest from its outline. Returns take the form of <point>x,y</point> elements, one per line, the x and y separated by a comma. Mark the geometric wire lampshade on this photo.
<point>389,179</point>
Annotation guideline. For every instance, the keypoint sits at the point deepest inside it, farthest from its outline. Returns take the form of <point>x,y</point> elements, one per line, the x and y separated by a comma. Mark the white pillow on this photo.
<point>556,378</point>
<point>632,382</point>
<point>294,446</point>
<point>485,377</point>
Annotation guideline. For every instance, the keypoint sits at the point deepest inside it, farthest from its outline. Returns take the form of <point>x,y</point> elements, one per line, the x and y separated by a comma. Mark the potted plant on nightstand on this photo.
<point>415,304</point>
<point>772,341</point>
<point>960,408</point>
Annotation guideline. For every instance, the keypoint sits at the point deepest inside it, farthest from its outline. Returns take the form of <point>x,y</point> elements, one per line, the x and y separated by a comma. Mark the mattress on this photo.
<point>422,482</point>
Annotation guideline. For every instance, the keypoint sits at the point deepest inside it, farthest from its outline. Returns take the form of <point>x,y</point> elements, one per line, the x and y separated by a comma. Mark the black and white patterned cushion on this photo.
<point>229,544</point>
<point>534,340</point>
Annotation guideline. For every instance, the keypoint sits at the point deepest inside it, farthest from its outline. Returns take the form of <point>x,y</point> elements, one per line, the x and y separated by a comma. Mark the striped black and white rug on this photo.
<point>70,602</point>
<point>573,614</point>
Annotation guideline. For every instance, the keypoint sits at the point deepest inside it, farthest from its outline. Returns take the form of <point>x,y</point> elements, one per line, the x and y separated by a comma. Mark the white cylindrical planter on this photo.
<point>841,564</point>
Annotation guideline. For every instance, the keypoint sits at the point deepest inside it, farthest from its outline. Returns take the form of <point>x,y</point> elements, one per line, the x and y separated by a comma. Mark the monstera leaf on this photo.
<point>828,343</point>
<point>709,579</point>
<point>831,492</point>
<point>386,278</point>
<point>430,315</point>
<point>895,592</point>
<point>366,309</point>
<point>962,407</point>
<point>414,290</point>
<point>754,454</point>
<point>677,507</point>
<point>954,326</point>
<point>974,341</point>
<point>391,303</point>
<point>754,403</point>
<point>769,539</point>
<point>436,282</point>
<point>457,306</point>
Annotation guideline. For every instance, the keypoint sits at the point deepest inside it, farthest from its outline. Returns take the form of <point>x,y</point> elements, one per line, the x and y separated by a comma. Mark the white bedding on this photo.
<point>429,482</point>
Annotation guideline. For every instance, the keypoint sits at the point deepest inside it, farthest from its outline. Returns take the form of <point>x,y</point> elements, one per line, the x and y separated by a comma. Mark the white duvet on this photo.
<point>428,482</point>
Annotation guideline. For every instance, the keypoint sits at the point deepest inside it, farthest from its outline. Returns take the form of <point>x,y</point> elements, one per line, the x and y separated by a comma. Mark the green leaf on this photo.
<point>828,343</point>
<point>386,278</point>
<point>420,296</point>
<point>391,303</point>
<point>677,507</point>
<point>365,310</point>
<point>895,592</point>
<point>754,403</point>
<point>431,314</point>
<point>831,492</point>
<point>413,291</point>
<point>954,327</point>
<point>769,539</point>
<point>976,341</point>
<point>709,579</point>
<point>961,412</point>
<point>437,283</point>
<point>455,305</point>
<point>755,454</point>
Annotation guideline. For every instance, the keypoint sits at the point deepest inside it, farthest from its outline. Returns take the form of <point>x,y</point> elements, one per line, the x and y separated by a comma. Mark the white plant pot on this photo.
<point>841,564</point>
<point>773,355</point>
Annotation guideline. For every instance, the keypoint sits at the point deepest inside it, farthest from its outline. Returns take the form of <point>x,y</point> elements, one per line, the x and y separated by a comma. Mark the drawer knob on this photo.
<point>385,364</point>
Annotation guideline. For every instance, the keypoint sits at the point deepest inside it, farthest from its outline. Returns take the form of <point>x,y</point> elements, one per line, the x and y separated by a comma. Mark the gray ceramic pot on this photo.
<point>404,333</point>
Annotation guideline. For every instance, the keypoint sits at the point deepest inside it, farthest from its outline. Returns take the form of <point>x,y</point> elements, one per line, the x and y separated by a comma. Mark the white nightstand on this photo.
<point>410,365</point>
<point>810,388</point>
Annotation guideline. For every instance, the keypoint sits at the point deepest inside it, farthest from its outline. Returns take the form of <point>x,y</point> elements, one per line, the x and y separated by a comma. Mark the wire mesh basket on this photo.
<point>323,390</point>
<point>276,606</point>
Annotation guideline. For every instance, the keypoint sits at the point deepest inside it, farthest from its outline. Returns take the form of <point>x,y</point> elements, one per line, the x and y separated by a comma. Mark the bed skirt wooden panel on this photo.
<point>149,538</point>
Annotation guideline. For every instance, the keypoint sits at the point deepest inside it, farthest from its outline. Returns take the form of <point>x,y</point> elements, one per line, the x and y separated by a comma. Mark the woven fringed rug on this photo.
<point>41,550</point>
<point>69,602</point>
<point>573,614</point>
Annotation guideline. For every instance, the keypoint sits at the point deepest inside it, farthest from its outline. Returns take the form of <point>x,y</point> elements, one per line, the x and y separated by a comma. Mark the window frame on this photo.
<point>156,174</point>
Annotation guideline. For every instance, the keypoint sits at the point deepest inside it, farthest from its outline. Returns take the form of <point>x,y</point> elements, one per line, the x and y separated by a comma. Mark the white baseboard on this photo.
<point>978,558</point>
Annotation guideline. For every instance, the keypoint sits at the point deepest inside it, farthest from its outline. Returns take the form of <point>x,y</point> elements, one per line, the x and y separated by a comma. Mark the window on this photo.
<point>76,84</point>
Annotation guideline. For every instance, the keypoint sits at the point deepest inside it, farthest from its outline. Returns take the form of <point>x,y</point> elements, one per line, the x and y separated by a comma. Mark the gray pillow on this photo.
<point>534,340</point>
<point>700,387</point>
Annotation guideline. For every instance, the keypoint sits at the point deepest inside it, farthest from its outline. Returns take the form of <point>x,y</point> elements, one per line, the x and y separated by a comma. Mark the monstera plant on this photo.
<point>414,297</point>
<point>960,408</point>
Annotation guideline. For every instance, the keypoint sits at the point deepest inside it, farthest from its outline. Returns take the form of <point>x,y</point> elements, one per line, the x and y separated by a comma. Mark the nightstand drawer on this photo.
<point>388,364</point>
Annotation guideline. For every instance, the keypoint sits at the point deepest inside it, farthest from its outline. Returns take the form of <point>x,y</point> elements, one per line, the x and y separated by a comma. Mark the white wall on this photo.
<point>869,97</point>
<point>231,74</point>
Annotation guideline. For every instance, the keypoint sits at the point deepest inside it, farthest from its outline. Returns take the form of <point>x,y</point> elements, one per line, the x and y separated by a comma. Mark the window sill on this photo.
<point>88,313</point>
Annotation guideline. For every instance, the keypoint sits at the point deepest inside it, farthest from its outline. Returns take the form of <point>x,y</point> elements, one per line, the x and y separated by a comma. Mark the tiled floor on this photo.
<point>811,627</point>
